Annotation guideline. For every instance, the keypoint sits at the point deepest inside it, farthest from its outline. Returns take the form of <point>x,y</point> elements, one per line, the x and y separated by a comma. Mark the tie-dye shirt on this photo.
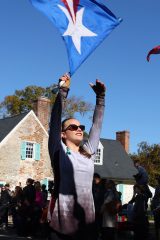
<point>73,172</point>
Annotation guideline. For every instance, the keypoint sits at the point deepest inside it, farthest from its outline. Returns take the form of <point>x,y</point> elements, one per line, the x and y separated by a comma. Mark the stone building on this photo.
<point>24,145</point>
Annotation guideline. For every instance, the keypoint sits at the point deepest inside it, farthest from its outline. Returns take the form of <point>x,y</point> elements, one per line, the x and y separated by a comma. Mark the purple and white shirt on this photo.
<point>73,172</point>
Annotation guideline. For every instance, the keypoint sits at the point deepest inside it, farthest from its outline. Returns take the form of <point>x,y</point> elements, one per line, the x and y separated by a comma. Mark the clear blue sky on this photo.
<point>33,53</point>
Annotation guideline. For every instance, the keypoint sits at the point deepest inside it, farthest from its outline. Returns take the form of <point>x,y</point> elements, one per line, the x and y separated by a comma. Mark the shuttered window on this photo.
<point>30,150</point>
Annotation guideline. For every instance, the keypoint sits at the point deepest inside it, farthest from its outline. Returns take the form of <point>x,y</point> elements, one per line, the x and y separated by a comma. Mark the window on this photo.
<point>30,150</point>
<point>99,155</point>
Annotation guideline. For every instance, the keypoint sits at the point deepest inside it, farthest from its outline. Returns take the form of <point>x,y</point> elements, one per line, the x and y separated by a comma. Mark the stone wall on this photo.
<point>12,168</point>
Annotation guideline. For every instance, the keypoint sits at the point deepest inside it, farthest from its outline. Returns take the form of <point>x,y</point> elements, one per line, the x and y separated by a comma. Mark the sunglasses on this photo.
<point>74,127</point>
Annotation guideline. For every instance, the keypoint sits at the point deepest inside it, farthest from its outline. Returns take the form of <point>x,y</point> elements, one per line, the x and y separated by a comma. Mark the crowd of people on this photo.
<point>31,209</point>
<point>26,206</point>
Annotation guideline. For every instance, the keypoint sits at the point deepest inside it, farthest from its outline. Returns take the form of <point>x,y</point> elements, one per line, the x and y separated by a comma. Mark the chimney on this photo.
<point>42,109</point>
<point>123,138</point>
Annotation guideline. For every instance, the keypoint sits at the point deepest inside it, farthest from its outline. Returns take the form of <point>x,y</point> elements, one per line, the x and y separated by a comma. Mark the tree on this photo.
<point>149,157</point>
<point>22,101</point>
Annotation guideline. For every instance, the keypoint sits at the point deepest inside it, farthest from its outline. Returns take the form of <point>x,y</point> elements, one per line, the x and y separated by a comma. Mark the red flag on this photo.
<point>155,50</point>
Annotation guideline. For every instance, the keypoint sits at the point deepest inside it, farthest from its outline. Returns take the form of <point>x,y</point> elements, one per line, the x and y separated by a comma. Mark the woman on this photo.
<point>73,165</point>
<point>110,208</point>
<point>16,204</point>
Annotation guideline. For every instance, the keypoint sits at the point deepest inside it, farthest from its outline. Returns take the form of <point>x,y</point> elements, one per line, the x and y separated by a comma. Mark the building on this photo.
<point>24,146</point>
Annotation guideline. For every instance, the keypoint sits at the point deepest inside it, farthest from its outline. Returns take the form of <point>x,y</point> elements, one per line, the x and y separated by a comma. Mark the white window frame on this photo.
<point>99,155</point>
<point>33,155</point>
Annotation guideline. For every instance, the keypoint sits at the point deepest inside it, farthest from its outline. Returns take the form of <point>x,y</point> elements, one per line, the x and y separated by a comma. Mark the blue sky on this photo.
<point>33,53</point>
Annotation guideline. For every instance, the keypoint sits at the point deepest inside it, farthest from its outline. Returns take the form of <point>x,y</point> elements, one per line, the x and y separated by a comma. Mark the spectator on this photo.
<point>27,213</point>
<point>5,201</point>
<point>142,176</point>
<point>110,209</point>
<point>139,213</point>
<point>16,205</point>
<point>44,194</point>
<point>142,179</point>
<point>29,192</point>
<point>98,196</point>
<point>155,207</point>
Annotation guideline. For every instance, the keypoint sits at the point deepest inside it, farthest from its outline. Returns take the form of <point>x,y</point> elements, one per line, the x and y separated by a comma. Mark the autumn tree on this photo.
<point>22,101</point>
<point>149,157</point>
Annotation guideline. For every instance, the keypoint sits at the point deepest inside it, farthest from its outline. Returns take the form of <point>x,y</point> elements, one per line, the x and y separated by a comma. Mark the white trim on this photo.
<point>33,155</point>
<point>40,123</point>
<point>17,126</point>
<point>100,146</point>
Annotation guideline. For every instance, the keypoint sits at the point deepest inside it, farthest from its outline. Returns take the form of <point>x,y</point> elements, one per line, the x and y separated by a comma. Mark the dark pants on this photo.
<point>98,225</point>
<point>4,216</point>
<point>141,231</point>
<point>108,233</point>
<point>157,224</point>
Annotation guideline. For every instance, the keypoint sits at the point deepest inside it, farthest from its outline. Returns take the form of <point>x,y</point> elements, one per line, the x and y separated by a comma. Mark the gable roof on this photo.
<point>7,124</point>
<point>116,162</point>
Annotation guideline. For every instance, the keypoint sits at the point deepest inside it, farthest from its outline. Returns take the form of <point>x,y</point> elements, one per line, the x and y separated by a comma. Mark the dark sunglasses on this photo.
<point>74,127</point>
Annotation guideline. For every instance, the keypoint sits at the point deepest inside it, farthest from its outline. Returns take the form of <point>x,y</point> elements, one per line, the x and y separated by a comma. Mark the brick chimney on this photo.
<point>42,109</point>
<point>123,138</point>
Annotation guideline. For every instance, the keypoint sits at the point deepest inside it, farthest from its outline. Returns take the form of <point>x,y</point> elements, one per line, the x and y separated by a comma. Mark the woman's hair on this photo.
<point>81,148</point>
<point>37,186</point>
<point>63,123</point>
<point>18,191</point>
<point>110,184</point>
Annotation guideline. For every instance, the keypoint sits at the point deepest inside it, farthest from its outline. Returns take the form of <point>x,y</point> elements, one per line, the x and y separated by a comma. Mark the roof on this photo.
<point>116,162</point>
<point>7,124</point>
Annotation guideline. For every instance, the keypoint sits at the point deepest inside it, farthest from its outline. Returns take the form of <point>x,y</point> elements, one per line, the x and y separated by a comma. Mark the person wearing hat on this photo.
<point>142,179</point>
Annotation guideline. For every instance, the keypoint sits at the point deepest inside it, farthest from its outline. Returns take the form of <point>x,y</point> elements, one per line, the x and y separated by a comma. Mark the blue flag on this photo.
<point>83,25</point>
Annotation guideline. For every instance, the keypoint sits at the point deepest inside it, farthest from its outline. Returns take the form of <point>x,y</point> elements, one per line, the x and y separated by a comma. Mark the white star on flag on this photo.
<point>76,29</point>
<point>83,25</point>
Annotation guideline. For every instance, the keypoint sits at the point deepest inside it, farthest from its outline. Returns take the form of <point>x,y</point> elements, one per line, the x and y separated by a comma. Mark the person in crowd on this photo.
<point>139,213</point>
<point>73,165</point>
<point>142,179</point>
<point>142,176</point>
<point>27,211</point>
<point>110,208</point>
<point>29,192</point>
<point>155,207</point>
<point>16,205</point>
<point>44,195</point>
<point>39,196</point>
<point>98,196</point>
<point>5,201</point>
<point>38,208</point>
